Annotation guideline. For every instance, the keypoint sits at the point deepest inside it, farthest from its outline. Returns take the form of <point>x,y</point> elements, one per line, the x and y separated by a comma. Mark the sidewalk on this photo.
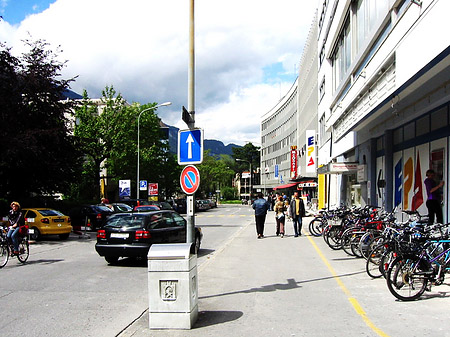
<point>244,286</point>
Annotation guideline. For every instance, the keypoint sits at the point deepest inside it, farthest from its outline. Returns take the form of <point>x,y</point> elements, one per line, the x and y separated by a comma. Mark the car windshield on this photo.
<point>123,207</point>
<point>49,212</point>
<point>101,208</point>
<point>127,221</point>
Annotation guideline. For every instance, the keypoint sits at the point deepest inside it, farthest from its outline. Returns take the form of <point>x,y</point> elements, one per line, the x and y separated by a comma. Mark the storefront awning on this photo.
<point>284,186</point>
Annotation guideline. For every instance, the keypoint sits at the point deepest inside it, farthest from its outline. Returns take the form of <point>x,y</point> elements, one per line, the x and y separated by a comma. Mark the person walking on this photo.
<point>433,197</point>
<point>280,209</point>
<point>260,206</point>
<point>16,220</point>
<point>297,210</point>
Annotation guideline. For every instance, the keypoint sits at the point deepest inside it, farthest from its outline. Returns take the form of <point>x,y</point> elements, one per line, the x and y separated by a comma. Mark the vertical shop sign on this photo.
<point>310,151</point>
<point>293,162</point>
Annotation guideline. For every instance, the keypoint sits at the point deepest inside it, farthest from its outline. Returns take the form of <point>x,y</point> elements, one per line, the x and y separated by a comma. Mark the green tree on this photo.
<point>215,173</point>
<point>37,153</point>
<point>248,153</point>
<point>99,131</point>
<point>107,135</point>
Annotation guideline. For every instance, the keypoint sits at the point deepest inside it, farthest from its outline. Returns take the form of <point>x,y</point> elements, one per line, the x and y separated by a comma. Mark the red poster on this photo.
<point>293,163</point>
<point>152,189</point>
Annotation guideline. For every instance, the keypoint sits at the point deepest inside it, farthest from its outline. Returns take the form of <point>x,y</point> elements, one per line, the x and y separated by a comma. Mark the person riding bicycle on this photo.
<point>16,220</point>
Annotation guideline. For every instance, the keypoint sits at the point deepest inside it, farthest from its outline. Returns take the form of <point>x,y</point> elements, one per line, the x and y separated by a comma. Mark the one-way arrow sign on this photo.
<point>190,146</point>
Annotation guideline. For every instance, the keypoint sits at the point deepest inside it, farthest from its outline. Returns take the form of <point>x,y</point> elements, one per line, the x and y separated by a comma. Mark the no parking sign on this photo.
<point>190,179</point>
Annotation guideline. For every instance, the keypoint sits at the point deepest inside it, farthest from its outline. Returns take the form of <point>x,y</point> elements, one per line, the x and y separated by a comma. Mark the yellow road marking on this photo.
<point>355,304</point>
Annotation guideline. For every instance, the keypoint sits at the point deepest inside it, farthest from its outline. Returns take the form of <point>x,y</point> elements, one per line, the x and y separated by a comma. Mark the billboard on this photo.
<point>310,151</point>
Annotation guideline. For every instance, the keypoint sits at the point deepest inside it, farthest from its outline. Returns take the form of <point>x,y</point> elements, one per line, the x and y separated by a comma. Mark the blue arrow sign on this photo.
<point>190,146</point>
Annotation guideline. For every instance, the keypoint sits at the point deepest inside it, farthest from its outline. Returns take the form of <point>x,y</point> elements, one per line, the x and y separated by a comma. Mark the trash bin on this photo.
<point>172,286</point>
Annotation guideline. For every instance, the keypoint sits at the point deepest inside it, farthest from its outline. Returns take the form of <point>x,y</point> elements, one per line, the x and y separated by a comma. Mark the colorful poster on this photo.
<point>310,151</point>
<point>417,199</point>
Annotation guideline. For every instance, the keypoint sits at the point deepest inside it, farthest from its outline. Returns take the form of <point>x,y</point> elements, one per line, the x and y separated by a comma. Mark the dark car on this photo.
<point>92,216</point>
<point>161,204</point>
<point>179,205</point>
<point>202,205</point>
<point>132,234</point>
<point>146,208</point>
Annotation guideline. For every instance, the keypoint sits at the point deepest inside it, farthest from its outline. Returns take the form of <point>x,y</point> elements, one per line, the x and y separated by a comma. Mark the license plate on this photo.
<point>119,235</point>
<point>30,231</point>
<point>58,220</point>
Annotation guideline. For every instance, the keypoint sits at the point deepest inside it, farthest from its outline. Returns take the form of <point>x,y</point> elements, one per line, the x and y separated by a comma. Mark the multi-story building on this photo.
<point>287,161</point>
<point>382,104</point>
<point>384,70</point>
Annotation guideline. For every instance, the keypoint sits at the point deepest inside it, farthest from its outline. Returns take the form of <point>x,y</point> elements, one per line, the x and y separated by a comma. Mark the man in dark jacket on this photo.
<point>260,206</point>
<point>297,208</point>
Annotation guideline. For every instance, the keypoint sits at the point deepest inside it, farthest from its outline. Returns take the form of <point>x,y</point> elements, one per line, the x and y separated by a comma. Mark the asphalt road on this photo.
<point>65,288</point>
<point>248,287</point>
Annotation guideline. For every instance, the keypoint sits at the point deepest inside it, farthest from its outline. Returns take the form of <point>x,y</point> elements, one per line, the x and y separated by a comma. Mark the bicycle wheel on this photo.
<point>346,240</point>
<point>405,280</point>
<point>4,254</point>
<point>373,261</point>
<point>316,226</point>
<point>333,239</point>
<point>368,242</point>
<point>354,243</point>
<point>24,250</point>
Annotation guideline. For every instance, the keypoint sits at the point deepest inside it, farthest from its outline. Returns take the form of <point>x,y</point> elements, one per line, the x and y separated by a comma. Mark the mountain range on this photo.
<point>216,147</point>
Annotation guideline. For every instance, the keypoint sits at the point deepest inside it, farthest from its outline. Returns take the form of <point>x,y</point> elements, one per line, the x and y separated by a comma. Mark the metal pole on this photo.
<point>191,109</point>
<point>139,117</point>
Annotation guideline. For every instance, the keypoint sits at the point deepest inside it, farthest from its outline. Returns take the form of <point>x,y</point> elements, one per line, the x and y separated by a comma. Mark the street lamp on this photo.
<point>237,159</point>
<point>139,117</point>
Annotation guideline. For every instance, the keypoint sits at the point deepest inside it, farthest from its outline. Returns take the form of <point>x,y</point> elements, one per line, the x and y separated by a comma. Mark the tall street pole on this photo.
<point>190,235</point>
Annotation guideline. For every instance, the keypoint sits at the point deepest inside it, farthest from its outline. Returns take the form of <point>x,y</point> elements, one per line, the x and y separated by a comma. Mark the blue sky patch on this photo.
<point>276,73</point>
<point>14,11</point>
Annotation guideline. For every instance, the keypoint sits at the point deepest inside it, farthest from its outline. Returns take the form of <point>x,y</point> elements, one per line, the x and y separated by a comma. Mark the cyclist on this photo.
<point>16,220</point>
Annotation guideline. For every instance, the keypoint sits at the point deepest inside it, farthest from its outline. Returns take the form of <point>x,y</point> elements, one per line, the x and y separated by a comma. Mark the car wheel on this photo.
<point>197,245</point>
<point>64,236</point>
<point>112,259</point>
<point>36,235</point>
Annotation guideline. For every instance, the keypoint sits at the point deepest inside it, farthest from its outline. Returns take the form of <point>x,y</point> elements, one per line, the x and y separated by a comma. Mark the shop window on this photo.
<point>398,136</point>
<point>439,119</point>
<point>423,126</point>
<point>409,131</point>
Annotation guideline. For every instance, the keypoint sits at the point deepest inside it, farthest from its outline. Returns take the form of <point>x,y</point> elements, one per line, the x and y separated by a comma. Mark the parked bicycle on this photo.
<point>6,246</point>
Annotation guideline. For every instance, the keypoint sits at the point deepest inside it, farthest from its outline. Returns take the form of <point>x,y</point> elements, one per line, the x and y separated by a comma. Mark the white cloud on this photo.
<point>141,47</point>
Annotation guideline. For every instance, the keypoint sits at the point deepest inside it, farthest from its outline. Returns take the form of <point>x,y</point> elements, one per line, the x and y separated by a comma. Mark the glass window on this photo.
<point>423,125</point>
<point>170,222</point>
<point>179,220</point>
<point>409,131</point>
<point>30,214</point>
<point>439,119</point>
<point>157,221</point>
<point>398,136</point>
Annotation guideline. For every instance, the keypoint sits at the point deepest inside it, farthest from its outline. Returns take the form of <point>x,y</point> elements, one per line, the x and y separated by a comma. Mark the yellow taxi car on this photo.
<point>46,221</point>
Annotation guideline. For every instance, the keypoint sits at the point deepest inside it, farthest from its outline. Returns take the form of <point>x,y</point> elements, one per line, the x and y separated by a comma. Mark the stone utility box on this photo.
<point>172,286</point>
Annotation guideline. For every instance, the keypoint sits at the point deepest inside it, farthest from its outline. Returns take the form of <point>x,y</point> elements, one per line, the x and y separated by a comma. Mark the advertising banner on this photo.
<point>310,151</point>
<point>293,163</point>
<point>152,189</point>
<point>124,188</point>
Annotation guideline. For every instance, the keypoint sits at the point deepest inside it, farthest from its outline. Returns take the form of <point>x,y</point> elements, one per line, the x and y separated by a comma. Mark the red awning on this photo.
<point>284,186</point>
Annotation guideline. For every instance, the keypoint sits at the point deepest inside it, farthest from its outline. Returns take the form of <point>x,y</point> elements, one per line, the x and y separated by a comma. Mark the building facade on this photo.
<point>382,107</point>
<point>286,128</point>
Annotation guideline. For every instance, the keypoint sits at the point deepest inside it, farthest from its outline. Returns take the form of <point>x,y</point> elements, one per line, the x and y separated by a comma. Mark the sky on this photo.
<point>247,53</point>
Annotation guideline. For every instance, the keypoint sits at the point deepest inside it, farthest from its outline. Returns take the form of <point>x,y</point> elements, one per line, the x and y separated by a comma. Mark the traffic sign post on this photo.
<point>190,146</point>
<point>190,179</point>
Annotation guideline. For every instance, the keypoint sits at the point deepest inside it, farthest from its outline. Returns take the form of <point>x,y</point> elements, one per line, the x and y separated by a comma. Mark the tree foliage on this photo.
<point>248,154</point>
<point>106,133</point>
<point>37,152</point>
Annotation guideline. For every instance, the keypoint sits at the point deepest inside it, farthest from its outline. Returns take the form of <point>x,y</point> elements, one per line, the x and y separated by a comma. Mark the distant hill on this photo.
<point>216,146</point>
